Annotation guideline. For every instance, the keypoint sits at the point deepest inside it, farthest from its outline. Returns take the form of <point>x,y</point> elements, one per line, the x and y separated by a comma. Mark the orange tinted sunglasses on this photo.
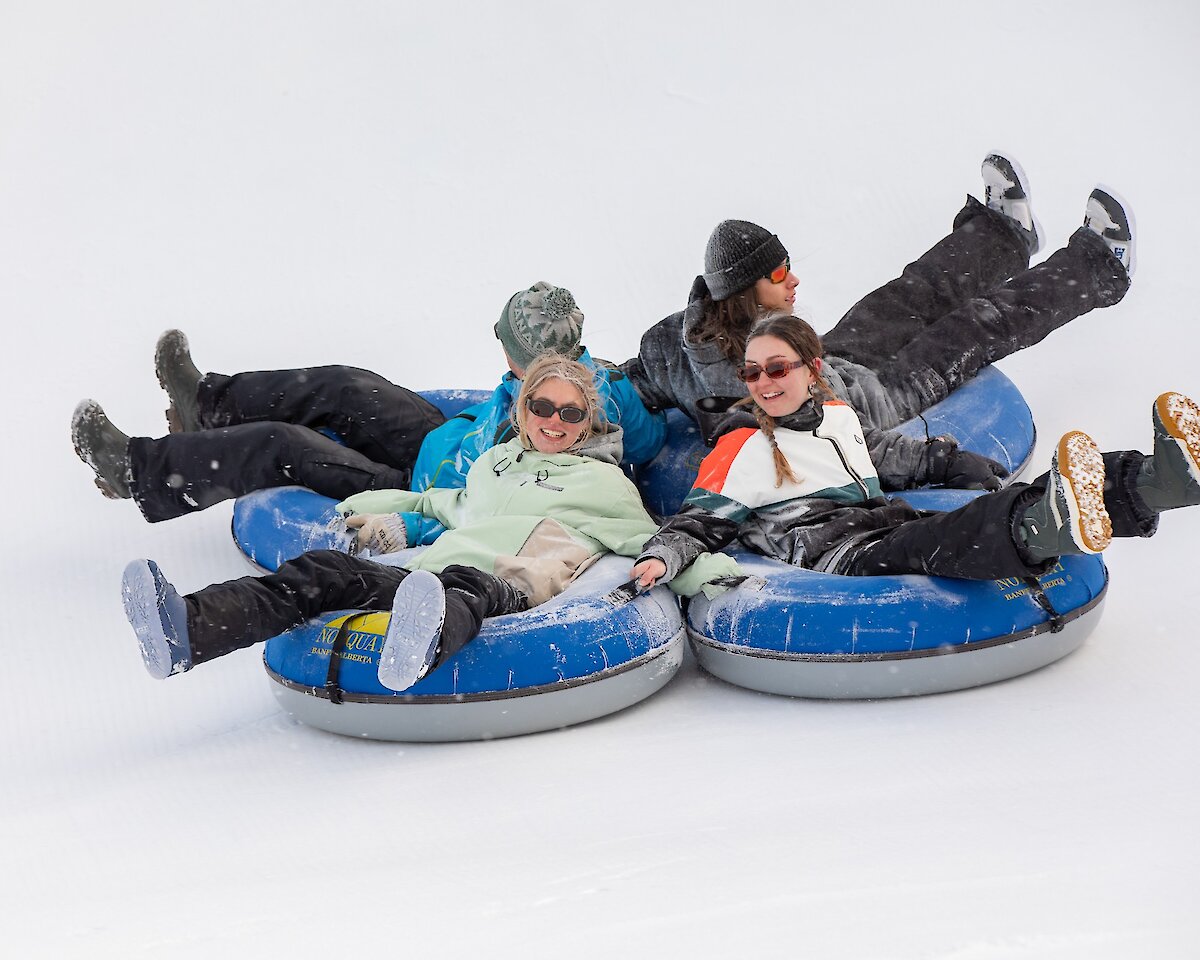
<point>779,274</point>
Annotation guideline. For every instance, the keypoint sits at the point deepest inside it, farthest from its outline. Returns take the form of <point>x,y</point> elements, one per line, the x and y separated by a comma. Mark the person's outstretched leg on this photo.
<point>372,415</point>
<point>185,472</point>
<point>987,245</point>
<point>1019,531</point>
<point>1082,276</point>
<point>175,633</point>
<point>1141,487</point>
<point>435,616</point>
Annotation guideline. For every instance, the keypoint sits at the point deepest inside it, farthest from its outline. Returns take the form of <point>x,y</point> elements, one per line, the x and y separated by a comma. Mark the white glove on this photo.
<point>377,533</point>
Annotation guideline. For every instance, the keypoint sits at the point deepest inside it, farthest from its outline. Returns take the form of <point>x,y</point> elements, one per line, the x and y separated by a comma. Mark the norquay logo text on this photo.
<point>360,644</point>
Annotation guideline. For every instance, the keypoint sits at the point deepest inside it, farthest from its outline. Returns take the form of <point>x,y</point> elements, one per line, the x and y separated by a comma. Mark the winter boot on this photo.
<point>1111,217</point>
<point>1171,478</point>
<point>1006,190</point>
<point>414,632</point>
<point>181,379</point>
<point>102,447</point>
<point>1070,517</point>
<point>158,616</point>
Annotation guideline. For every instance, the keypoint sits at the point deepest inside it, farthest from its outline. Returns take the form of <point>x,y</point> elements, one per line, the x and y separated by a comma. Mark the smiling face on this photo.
<point>778,398</point>
<point>776,296</point>
<point>550,434</point>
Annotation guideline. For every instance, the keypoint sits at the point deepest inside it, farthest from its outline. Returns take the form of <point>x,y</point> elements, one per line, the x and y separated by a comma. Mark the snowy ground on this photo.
<point>367,182</point>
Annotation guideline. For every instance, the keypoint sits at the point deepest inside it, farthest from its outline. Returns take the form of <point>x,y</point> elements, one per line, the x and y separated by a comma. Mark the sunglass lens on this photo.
<point>545,409</point>
<point>749,373</point>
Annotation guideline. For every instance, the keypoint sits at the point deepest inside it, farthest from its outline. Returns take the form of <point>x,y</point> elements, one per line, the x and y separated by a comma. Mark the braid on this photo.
<point>783,468</point>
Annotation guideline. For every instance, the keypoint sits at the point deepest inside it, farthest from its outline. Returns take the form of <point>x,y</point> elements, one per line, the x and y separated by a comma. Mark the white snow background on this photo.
<point>367,182</point>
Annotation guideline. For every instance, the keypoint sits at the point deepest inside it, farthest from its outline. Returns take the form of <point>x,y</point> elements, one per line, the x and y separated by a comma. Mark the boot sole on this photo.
<point>418,612</point>
<point>1081,466</point>
<point>141,597</point>
<point>1180,417</point>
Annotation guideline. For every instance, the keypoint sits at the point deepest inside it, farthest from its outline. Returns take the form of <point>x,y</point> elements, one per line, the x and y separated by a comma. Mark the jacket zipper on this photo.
<point>845,464</point>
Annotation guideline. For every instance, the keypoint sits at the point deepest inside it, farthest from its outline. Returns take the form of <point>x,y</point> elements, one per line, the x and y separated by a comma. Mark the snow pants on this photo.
<point>971,300</point>
<point>229,616</point>
<point>979,541</point>
<point>263,429</point>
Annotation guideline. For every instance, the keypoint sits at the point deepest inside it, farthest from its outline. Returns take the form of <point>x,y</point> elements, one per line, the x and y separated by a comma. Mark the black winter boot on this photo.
<point>102,447</point>
<point>1070,517</point>
<point>180,377</point>
<point>1171,478</point>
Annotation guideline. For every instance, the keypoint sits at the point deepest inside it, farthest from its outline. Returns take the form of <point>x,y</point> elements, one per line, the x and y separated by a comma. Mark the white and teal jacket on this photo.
<point>836,499</point>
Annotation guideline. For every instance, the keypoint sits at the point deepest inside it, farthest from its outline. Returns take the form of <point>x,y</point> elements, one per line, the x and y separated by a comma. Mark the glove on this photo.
<point>379,533</point>
<point>951,466</point>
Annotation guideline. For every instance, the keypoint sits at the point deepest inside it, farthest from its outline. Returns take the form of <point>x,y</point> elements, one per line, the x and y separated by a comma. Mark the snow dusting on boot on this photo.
<point>158,616</point>
<point>102,447</point>
<point>414,631</point>
<point>1006,190</point>
<point>1079,463</point>
<point>180,378</point>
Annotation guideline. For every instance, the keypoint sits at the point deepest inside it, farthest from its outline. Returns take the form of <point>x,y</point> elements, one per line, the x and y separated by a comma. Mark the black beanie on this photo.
<point>739,253</point>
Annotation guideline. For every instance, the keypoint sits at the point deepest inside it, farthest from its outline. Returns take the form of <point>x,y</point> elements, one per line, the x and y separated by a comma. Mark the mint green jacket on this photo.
<point>524,507</point>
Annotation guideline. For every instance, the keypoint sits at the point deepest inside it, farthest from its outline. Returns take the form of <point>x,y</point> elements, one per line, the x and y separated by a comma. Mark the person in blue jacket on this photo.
<point>231,435</point>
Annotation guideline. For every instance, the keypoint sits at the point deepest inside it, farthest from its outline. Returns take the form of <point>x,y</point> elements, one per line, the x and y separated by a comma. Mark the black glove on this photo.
<point>950,466</point>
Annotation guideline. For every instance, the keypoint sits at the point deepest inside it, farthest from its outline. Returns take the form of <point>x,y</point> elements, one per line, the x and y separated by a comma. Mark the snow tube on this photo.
<point>574,658</point>
<point>987,415</point>
<point>806,634</point>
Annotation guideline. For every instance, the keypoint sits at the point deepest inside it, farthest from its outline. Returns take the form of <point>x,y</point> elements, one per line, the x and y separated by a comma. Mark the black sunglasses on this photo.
<point>776,370</point>
<point>545,409</point>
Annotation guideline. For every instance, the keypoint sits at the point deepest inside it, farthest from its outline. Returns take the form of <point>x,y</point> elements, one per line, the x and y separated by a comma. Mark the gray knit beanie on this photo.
<point>739,253</point>
<point>540,319</point>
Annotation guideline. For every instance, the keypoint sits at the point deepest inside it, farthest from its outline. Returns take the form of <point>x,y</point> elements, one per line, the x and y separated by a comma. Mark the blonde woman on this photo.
<point>534,513</point>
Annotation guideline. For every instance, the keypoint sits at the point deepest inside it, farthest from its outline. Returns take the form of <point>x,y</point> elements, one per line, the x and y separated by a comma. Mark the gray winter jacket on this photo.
<point>672,371</point>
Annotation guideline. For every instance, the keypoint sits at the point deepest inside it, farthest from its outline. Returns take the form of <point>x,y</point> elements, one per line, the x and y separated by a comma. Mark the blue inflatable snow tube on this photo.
<point>574,658</point>
<point>578,657</point>
<point>806,634</point>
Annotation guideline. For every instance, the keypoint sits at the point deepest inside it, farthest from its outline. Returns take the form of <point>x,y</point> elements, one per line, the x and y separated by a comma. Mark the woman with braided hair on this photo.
<point>795,476</point>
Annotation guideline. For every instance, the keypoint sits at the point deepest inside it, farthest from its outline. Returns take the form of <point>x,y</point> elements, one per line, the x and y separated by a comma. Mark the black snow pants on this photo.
<point>971,300</point>
<point>979,541</point>
<point>261,429</point>
<point>229,616</point>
